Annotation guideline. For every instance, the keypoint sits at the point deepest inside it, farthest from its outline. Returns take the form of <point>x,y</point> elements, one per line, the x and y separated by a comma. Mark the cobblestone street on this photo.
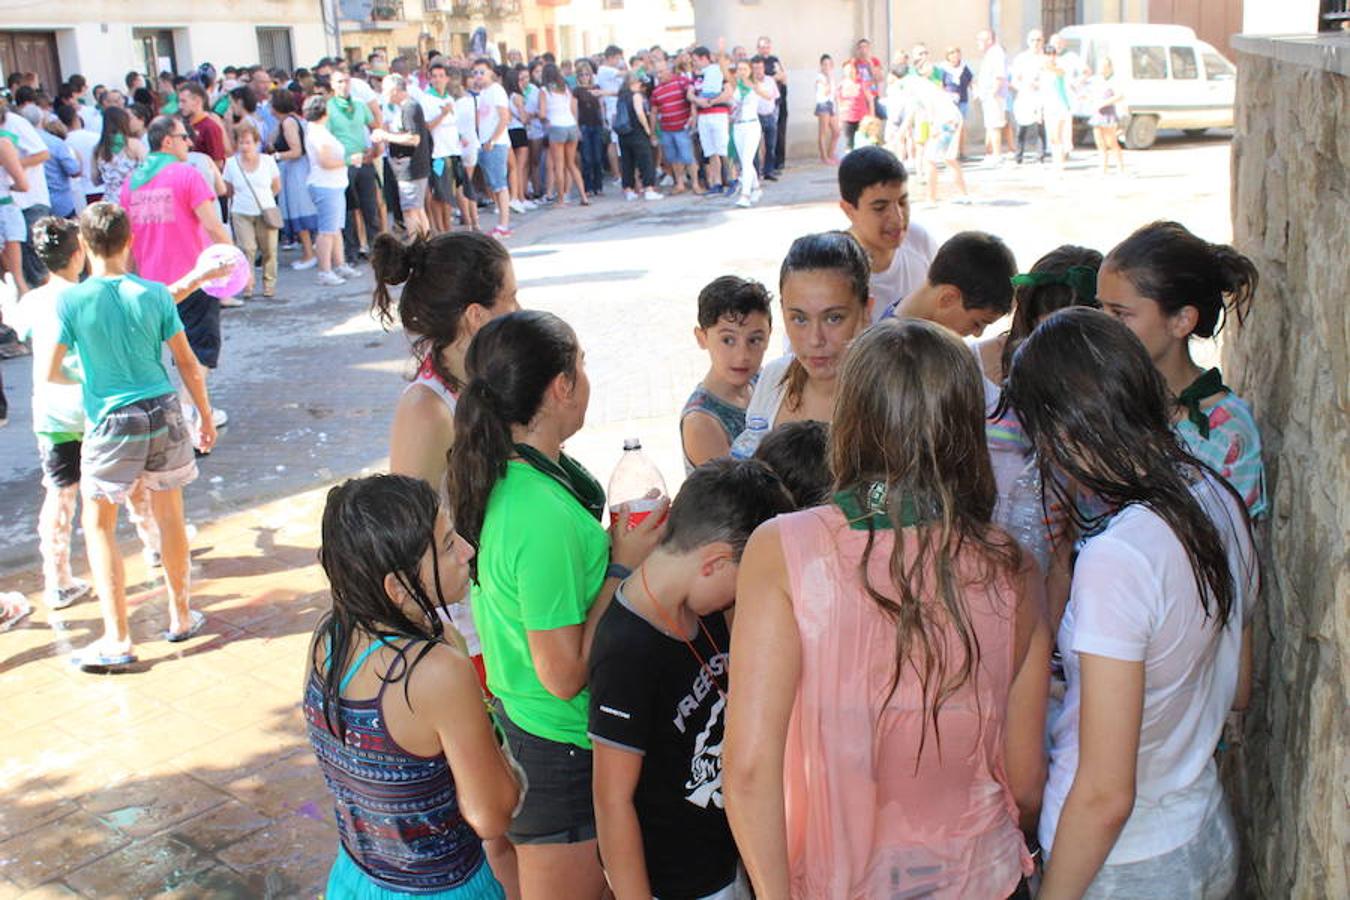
<point>190,774</point>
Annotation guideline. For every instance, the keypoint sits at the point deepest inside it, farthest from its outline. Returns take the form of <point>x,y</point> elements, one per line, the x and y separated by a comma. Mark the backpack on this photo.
<point>623,115</point>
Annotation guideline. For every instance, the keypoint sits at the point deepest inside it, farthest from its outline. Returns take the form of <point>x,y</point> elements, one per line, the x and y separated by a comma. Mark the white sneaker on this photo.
<point>517,207</point>
<point>219,417</point>
<point>346,271</point>
<point>667,180</point>
<point>756,194</point>
<point>331,279</point>
<point>650,194</point>
<point>630,195</point>
<point>301,265</point>
<point>530,206</point>
<point>231,302</point>
<point>745,202</point>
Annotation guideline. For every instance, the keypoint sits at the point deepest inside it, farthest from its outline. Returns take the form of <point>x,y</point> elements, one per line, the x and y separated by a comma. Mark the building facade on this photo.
<point>104,40</point>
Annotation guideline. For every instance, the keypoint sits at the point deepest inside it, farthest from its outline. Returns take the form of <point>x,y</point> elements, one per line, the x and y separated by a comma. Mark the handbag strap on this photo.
<point>249,182</point>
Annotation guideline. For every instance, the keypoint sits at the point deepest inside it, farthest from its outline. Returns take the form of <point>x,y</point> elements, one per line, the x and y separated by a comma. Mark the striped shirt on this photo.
<point>672,104</point>
<point>1233,449</point>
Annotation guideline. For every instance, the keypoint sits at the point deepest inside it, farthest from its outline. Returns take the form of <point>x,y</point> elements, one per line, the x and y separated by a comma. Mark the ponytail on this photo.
<point>1172,267</point>
<point>511,363</point>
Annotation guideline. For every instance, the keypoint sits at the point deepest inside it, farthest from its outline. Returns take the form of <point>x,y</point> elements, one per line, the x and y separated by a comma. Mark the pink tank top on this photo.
<point>862,820</point>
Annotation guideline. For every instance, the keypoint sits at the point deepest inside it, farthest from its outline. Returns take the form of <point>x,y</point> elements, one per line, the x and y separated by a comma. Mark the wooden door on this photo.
<point>1214,21</point>
<point>32,51</point>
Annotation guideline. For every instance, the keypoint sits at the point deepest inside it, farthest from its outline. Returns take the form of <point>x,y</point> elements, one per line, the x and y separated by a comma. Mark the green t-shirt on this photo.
<point>117,326</point>
<point>541,560</point>
<point>349,121</point>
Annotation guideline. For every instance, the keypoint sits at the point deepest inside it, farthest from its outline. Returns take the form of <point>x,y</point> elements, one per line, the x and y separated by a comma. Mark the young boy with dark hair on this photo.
<point>797,453</point>
<point>734,321</point>
<point>658,681</point>
<point>117,324</point>
<point>969,285</point>
<point>874,194</point>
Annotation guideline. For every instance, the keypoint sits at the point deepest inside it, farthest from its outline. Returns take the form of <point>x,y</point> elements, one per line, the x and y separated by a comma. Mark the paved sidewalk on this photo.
<point>190,775</point>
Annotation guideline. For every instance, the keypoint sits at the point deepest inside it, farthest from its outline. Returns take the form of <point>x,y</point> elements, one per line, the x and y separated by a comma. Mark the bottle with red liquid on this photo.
<point>637,484</point>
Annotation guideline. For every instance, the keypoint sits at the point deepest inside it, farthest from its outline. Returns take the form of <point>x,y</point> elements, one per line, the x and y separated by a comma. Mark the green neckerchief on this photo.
<point>864,507</point>
<point>153,165</point>
<point>11,137</point>
<point>1081,279</point>
<point>1206,385</point>
<point>170,107</point>
<point>345,105</point>
<point>571,474</point>
<point>431,89</point>
<point>119,143</point>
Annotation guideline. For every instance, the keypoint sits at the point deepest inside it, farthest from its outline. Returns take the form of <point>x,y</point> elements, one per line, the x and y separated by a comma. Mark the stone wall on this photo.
<point>1291,215</point>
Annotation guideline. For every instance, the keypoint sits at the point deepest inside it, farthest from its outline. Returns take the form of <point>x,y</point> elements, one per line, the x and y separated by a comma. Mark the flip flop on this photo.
<point>93,660</point>
<point>16,609</point>
<point>196,621</point>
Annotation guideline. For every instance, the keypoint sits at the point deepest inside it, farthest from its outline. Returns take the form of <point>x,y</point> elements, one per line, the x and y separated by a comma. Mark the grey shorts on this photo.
<point>1204,868</point>
<point>412,194</point>
<point>563,134</point>
<point>145,441</point>
<point>13,228</point>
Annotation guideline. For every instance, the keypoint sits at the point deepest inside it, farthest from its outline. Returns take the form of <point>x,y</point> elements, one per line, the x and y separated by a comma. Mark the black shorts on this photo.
<point>200,313</point>
<point>518,138</point>
<point>558,806</point>
<point>452,176</point>
<point>60,463</point>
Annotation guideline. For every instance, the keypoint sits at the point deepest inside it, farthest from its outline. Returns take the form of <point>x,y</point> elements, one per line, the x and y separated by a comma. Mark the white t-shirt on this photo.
<point>361,91</point>
<point>1134,598</point>
<point>765,403</point>
<point>824,88</point>
<point>318,137</point>
<point>82,144</point>
<point>260,179</point>
<point>464,121</point>
<point>445,136</point>
<point>30,142</point>
<point>558,109</point>
<point>993,67</point>
<point>490,115</point>
<point>609,78</point>
<point>907,271</point>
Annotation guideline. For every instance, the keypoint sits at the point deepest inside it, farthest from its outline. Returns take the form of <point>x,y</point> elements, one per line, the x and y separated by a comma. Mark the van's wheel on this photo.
<point>1195,132</point>
<point>1141,132</point>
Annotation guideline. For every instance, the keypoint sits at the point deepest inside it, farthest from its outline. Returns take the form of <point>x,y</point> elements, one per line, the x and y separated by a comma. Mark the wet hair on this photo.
<point>246,98</point>
<point>374,527</point>
<point>105,228</point>
<point>511,363</point>
<point>55,241</point>
<point>980,266</point>
<point>1175,269</point>
<point>836,251</point>
<point>722,501</point>
<point>1096,409</point>
<point>732,297</point>
<point>799,453</point>
<point>866,166</point>
<point>1055,289</point>
<point>910,415</point>
<point>442,277</point>
<point>115,122</point>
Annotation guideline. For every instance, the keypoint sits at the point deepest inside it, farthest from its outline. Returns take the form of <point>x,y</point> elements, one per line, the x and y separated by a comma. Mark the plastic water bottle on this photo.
<point>747,442</point>
<point>636,483</point>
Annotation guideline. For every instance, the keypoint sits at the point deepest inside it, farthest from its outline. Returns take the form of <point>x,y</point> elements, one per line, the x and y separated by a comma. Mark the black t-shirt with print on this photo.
<point>650,695</point>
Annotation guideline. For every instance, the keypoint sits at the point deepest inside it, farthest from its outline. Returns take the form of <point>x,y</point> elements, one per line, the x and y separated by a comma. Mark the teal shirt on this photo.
<point>117,327</point>
<point>349,121</point>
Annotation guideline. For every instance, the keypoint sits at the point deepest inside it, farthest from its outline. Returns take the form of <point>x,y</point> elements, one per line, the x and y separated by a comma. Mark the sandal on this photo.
<point>14,608</point>
<point>196,621</point>
<point>97,657</point>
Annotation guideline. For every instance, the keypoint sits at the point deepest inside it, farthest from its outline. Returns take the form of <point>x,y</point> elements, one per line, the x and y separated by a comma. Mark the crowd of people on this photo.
<point>919,106</point>
<point>990,595</point>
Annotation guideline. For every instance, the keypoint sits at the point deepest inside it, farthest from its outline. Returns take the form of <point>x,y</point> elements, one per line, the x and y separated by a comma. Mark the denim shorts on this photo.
<point>331,204</point>
<point>13,228</point>
<point>493,163</point>
<point>563,134</point>
<point>678,147</point>
<point>558,806</point>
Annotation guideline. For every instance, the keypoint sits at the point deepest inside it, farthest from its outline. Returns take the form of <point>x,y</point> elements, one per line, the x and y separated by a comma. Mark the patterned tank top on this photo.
<point>397,813</point>
<point>729,416</point>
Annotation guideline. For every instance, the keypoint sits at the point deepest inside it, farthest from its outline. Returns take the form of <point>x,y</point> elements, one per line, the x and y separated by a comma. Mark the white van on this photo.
<point>1167,76</point>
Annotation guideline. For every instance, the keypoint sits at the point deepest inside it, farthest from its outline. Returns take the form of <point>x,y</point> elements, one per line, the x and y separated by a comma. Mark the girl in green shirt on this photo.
<point>546,571</point>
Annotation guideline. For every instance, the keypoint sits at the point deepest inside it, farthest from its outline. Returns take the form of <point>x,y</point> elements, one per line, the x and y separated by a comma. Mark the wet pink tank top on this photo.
<point>862,820</point>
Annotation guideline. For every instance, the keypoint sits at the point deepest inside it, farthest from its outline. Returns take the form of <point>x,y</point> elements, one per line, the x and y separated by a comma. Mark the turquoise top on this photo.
<point>117,327</point>
<point>349,120</point>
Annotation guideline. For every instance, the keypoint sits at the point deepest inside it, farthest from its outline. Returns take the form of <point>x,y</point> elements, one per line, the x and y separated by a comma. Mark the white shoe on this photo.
<point>650,194</point>
<point>667,180</point>
<point>517,207</point>
<point>331,279</point>
<point>301,265</point>
<point>529,205</point>
<point>231,302</point>
<point>346,271</point>
<point>756,194</point>
<point>630,195</point>
<point>219,417</point>
<point>745,202</point>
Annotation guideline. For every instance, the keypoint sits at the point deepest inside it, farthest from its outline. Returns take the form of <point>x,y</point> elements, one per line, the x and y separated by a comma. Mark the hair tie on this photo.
<point>1082,280</point>
<point>417,255</point>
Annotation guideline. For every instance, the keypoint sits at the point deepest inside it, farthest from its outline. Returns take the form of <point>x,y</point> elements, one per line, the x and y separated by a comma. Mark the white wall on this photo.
<point>1283,17</point>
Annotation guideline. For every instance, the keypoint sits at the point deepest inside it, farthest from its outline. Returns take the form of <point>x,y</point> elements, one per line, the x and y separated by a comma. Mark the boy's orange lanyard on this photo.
<point>665,618</point>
